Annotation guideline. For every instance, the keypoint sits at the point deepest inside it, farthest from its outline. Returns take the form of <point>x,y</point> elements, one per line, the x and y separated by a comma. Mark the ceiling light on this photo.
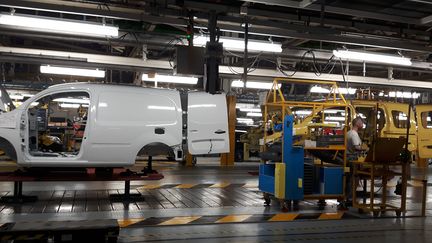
<point>319,89</point>
<point>302,112</point>
<point>72,71</point>
<point>16,97</point>
<point>250,109</point>
<point>400,94</point>
<point>372,57</point>
<point>170,79</point>
<point>347,91</point>
<point>245,120</point>
<point>72,100</point>
<point>253,84</point>
<point>245,105</point>
<point>238,44</point>
<point>335,118</point>
<point>254,114</point>
<point>56,25</point>
<point>242,131</point>
<point>72,105</point>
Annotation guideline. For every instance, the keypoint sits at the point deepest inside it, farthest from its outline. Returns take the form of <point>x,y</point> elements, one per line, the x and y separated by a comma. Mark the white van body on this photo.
<point>122,122</point>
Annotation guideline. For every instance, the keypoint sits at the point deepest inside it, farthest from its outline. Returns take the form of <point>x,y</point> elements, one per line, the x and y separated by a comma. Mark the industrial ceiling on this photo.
<point>149,31</point>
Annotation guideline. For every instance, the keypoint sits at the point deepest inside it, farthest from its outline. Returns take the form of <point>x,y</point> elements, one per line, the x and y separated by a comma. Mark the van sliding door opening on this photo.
<point>57,124</point>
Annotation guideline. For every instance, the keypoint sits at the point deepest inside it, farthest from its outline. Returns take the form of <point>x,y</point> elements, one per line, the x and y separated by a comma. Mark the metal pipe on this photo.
<point>245,55</point>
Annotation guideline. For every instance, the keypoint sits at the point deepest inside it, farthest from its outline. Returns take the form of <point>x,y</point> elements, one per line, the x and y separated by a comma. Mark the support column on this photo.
<point>228,158</point>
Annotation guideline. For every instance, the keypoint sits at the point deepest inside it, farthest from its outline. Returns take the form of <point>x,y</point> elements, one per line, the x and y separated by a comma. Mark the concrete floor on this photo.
<point>216,204</point>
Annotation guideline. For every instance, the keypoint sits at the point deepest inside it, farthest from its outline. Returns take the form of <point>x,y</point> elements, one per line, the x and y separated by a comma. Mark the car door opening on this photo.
<point>57,124</point>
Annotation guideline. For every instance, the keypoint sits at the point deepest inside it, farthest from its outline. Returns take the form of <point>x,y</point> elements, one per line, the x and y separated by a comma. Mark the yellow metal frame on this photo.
<point>275,99</point>
<point>381,171</point>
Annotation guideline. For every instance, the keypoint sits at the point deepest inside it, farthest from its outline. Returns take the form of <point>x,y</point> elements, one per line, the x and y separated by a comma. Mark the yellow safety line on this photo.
<point>185,186</point>
<point>126,222</point>
<point>180,220</point>
<point>150,186</point>
<point>234,218</point>
<point>284,217</point>
<point>220,185</point>
<point>337,215</point>
<point>250,185</point>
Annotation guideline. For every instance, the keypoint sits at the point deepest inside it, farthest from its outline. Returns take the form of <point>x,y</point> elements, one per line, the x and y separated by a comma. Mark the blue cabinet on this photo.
<point>331,180</point>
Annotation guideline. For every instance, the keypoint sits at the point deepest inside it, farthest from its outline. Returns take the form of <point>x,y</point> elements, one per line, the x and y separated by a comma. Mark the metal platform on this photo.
<point>63,231</point>
<point>18,177</point>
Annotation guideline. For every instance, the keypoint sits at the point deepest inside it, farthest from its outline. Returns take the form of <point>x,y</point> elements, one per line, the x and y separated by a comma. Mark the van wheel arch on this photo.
<point>8,148</point>
<point>153,149</point>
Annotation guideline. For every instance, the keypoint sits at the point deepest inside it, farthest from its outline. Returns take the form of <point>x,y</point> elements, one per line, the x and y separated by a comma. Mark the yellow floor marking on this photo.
<point>180,220</point>
<point>185,186</point>
<point>416,183</point>
<point>234,218</point>
<point>126,222</point>
<point>150,186</point>
<point>284,217</point>
<point>250,185</point>
<point>220,185</point>
<point>337,215</point>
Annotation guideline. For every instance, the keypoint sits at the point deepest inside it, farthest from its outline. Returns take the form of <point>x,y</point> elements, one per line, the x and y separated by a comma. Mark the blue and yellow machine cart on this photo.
<point>283,176</point>
<point>285,180</point>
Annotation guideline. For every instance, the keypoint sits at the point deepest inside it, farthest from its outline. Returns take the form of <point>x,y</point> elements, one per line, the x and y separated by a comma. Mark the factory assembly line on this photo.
<point>218,121</point>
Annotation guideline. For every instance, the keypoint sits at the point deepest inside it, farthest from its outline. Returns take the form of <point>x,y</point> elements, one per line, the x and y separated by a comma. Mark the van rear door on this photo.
<point>424,134</point>
<point>207,123</point>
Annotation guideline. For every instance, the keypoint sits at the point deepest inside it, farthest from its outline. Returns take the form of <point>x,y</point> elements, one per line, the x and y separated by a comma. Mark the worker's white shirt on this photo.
<point>353,140</point>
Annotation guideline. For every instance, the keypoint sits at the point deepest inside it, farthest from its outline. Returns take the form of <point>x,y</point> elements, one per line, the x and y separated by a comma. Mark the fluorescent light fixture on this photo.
<point>96,73</point>
<point>342,112</point>
<point>37,23</point>
<point>16,97</point>
<point>254,114</point>
<point>302,112</point>
<point>242,131</point>
<point>73,101</point>
<point>245,120</point>
<point>319,89</point>
<point>335,118</point>
<point>406,95</point>
<point>372,57</point>
<point>170,79</point>
<point>245,105</point>
<point>65,105</point>
<point>250,109</point>
<point>238,44</point>
<point>347,91</point>
<point>252,84</point>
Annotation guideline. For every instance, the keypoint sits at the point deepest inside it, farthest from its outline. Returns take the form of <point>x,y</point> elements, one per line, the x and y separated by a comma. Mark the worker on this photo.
<point>354,149</point>
<point>354,143</point>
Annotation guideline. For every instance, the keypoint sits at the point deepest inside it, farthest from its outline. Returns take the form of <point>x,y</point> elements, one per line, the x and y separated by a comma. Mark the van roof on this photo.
<point>101,85</point>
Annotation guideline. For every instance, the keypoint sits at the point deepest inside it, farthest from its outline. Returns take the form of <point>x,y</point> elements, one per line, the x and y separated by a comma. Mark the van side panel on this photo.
<point>424,126</point>
<point>126,120</point>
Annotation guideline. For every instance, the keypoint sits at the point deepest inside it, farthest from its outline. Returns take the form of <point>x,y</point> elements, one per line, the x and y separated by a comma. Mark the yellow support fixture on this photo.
<point>276,104</point>
<point>228,158</point>
<point>189,159</point>
<point>280,180</point>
